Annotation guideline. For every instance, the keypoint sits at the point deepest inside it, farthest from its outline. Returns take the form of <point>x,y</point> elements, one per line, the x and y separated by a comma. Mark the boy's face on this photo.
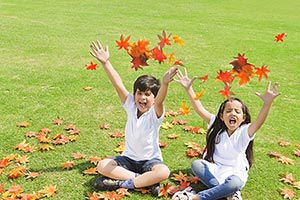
<point>143,100</point>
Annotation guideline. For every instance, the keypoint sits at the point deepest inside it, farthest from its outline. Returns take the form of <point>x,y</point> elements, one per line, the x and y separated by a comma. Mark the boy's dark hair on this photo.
<point>218,127</point>
<point>146,82</point>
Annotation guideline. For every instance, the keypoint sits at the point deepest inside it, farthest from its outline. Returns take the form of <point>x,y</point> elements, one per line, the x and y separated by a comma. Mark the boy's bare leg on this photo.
<point>109,168</point>
<point>158,173</point>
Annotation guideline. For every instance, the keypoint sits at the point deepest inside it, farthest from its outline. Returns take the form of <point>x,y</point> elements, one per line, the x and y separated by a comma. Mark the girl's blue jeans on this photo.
<point>215,189</point>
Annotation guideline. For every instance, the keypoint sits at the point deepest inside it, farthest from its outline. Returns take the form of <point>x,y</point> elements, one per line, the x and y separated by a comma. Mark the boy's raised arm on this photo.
<point>268,97</point>
<point>102,55</point>
<point>162,92</point>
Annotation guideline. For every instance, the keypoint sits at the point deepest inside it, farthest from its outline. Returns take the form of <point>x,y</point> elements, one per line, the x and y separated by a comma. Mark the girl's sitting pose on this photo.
<point>229,142</point>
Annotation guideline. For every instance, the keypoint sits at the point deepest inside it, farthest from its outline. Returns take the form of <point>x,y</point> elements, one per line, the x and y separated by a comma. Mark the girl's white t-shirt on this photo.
<point>230,154</point>
<point>141,134</point>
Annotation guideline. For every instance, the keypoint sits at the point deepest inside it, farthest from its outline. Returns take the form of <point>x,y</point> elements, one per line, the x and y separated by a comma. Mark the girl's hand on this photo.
<point>99,53</point>
<point>184,80</point>
<point>270,93</point>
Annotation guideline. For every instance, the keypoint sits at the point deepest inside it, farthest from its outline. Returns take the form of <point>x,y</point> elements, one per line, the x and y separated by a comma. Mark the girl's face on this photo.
<point>232,115</point>
<point>143,100</point>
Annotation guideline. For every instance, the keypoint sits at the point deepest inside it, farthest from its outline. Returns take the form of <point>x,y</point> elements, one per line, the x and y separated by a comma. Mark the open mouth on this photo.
<point>142,105</point>
<point>232,121</point>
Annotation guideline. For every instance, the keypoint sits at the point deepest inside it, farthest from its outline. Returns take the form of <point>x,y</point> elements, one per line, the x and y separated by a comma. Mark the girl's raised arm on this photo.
<point>268,97</point>
<point>102,55</point>
<point>186,83</point>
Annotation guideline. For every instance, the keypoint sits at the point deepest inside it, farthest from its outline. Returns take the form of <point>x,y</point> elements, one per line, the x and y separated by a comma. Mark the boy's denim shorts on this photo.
<point>140,167</point>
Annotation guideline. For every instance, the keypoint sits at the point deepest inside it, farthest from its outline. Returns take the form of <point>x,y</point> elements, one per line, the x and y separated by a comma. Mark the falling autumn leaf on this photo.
<point>226,92</point>
<point>261,72</point>
<point>280,36</point>
<point>178,40</point>
<point>123,43</point>
<point>91,66</point>
<point>199,94</point>
<point>226,77</point>
<point>184,109</point>
<point>164,39</point>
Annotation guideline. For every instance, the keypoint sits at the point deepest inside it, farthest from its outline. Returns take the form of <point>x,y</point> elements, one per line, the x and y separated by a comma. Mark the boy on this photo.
<point>141,164</point>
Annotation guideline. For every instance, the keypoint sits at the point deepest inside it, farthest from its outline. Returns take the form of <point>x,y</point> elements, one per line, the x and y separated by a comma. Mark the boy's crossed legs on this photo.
<point>131,174</point>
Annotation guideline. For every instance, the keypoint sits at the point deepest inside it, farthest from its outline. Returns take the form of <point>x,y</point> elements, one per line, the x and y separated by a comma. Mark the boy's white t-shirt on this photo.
<point>141,134</point>
<point>230,154</point>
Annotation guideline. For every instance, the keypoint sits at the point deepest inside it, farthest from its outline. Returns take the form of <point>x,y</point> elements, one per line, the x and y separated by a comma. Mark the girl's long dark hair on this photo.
<point>218,127</point>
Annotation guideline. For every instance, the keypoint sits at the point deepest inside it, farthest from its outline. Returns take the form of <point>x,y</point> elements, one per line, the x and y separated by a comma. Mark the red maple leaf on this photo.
<point>203,79</point>
<point>164,40</point>
<point>113,195</point>
<point>158,54</point>
<point>123,43</point>
<point>91,66</point>
<point>139,62</point>
<point>239,62</point>
<point>192,153</point>
<point>261,72</point>
<point>225,77</point>
<point>280,36</point>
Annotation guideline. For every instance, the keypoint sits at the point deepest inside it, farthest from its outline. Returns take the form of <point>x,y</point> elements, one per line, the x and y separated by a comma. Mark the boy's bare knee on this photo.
<point>104,166</point>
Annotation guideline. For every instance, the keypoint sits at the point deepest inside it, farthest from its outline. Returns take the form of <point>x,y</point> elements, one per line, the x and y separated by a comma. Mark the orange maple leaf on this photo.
<point>178,40</point>
<point>105,126</point>
<point>67,165</point>
<point>164,190</point>
<point>46,147</point>
<point>192,153</point>
<point>286,160</point>
<point>23,125</point>
<point>95,196</point>
<point>113,195</point>
<point>288,178</point>
<point>199,94</point>
<point>78,156</point>
<point>171,58</point>
<point>17,172</point>
<point>119,134</point>
<point>94,160</point>
<point>287,193</point>
<point>15,189</point>
<point>180,177</point>
<point>123,43</point>
<point>4,162</point>
<point>172,136</point>
<point>49,191</point>
<point>32,175</point>
<point>58,121</point>
<point>262,72</point>
<point>184,109</point>
<point>226,92</point>
<point>91,171</point>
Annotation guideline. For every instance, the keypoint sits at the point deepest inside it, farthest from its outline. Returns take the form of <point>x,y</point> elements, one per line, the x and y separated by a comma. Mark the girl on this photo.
<point>224,169</point>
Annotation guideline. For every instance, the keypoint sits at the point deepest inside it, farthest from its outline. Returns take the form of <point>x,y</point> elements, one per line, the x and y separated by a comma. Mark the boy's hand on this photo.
<point>270,93</point>
<point>169,75</point>
<point>184,80</point>
<point>99,53</point>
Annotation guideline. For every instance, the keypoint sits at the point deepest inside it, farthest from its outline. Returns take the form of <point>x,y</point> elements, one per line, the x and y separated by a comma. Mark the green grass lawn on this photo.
<point>44,49</point>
